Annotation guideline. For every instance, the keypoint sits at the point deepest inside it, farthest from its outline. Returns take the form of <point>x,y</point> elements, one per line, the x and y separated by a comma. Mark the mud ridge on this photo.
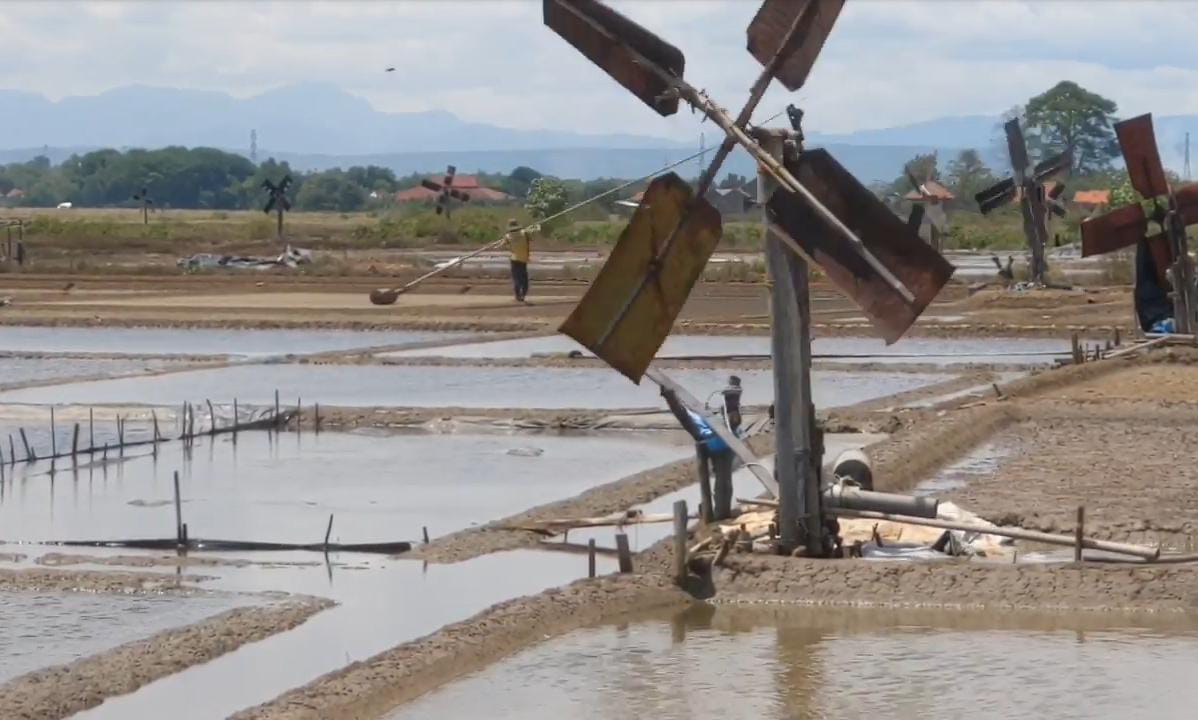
<point>61,691</point>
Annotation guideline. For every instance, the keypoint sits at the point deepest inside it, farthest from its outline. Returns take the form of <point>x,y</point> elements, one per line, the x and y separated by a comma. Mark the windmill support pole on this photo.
<point>800,514</point>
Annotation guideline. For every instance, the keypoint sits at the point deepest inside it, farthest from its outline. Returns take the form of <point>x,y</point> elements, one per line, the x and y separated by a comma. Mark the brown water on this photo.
<point>731,662</point>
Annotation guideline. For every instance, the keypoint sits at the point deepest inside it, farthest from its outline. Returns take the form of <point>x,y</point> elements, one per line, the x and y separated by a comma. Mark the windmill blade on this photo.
<point>996,195</point>
<point>628,339</point>
<point>285,203</point>
<point>606,37</point>
<point>1053,199</point>
<point>285,184</point>
<point>431,185</point>
<point>1119,228</point>
<point>441,209</point>
<point>1138,142</point>
<point>1187,203</point>
<point>268,185</point>
<point>771,26</point>
<point>449,173</point>
<point>898,248</point>
<point>915,219</point>
<point>1017,147</point>
<point>1056,164</point>
<point>459,195</point>
<point>270,205</point>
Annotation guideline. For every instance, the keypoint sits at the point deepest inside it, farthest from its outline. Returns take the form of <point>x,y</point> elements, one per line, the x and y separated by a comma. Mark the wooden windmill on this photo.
<point>1163,262</point>
<point>144,198</point>
<point>446,192</point>
<point>814,210</point>
<point>276,200</point>
<point>928,199</point>
<point>1036,199</point>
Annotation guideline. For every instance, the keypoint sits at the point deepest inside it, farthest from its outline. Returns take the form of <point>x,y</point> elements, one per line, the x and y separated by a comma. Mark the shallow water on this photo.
<point>383,603</point>
<point>43,629</point>
<point>981,462</point>
<point>805,663</point>
<point>940,351</point>
<point>474,387</point>
<point>283,488</point>
<point>201,341</point>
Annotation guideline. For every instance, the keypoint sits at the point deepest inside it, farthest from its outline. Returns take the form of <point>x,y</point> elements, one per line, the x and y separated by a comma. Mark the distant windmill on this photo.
<point>447,192</point>
<point>144,198</point>
<point>277,199</point>
<point>928,199</point>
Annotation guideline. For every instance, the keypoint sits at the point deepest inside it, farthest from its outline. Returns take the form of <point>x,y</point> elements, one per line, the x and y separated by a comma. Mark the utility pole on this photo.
<point>254,146</point>
<point>790,347</point>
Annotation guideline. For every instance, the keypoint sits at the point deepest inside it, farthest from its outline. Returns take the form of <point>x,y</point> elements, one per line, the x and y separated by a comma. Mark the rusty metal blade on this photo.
<point>431,185</point>
<point>604,36</point>
<point>769,28</point>
<point>1056,164</point>
<point>996,195</point>
<point>917,266</point>
<point>636,337</point>
<point>1016,147</point>
<point>1119,228</point>
<point>1138,142</point>
<point>1187,203</point>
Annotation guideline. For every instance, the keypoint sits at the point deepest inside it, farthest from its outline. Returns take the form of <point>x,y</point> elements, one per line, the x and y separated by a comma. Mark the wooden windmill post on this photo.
<point>630,308</point>
<point>276,200</point>
<point>1035,200</point>
<point>1166,252</point>
<point>144,198</point>
<point>446,192</point>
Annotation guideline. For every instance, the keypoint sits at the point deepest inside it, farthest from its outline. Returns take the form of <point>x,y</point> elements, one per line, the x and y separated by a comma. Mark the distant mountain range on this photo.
<point>318,126</point>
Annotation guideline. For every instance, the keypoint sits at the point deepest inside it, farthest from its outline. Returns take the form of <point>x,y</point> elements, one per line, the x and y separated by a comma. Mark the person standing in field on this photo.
<point>713,454</point>
<point>518,241</point>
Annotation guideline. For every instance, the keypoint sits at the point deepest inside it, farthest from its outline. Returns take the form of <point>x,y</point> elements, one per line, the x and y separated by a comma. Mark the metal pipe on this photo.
<point>1139,551</point>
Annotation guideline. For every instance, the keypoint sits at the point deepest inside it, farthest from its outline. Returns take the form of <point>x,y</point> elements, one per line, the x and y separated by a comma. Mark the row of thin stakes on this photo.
<point>624,552</point>
<point>187,433</point>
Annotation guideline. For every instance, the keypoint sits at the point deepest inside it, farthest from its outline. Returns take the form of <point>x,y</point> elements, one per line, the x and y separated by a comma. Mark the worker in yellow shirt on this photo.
<point>518,241</point>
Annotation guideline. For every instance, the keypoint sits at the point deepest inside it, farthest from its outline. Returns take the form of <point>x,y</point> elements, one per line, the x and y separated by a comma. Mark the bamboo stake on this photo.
<point>276,408</point>
<point>180,533</point>
<point>91,429</point>
<point>211,418</point>
<point>623,554</point>
<point>591,558</point>
<point>75,441</point>
<point>236,419</point>
<point>157,436</point>
<point>328,531</point>
<point>680,541</point>
<point>53,435</point>
<point>316,417</point>
<point>1139,551</point>
<point>12,452</point>
<point>1080,536</point>
<point>29,454</point>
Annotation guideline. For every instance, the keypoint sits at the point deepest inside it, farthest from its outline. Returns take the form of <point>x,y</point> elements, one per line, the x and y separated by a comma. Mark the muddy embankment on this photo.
<point>61,691</point>
<point>372,687</point>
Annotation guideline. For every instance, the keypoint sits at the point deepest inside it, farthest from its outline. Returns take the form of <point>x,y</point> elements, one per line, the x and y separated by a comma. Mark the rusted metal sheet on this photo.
<point>772,24</point>
<point>1138,142</point>
<point>1122,227</point>
<point>1017,147</point>
<point>1187,203</point>
<point>920,268</point>
<point>605,36</point>
<point>1053,165</point>
<point>996,195</point>
<point>631,342</point>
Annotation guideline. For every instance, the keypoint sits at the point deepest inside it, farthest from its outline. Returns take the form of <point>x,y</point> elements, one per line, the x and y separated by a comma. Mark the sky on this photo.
<point>886,63</point>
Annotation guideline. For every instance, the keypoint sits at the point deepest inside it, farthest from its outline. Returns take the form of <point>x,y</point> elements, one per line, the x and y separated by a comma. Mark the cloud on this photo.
<point>886,63</point>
